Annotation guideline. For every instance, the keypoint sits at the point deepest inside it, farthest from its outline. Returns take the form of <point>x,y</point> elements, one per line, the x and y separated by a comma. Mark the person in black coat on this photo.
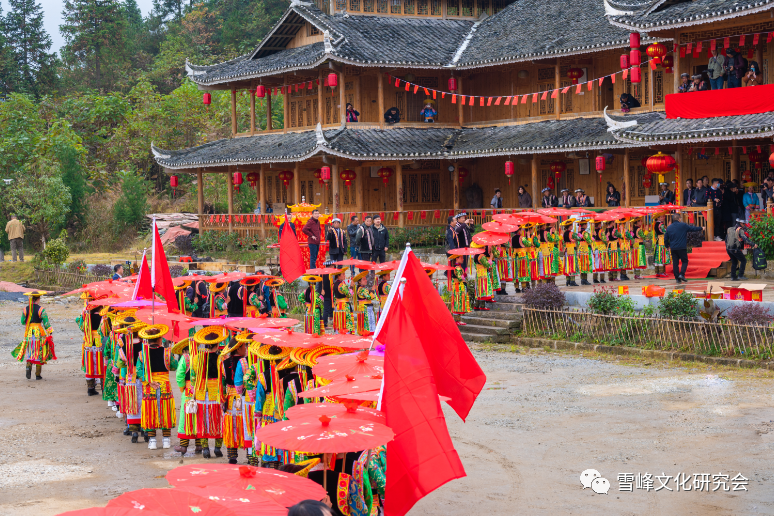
<point>676,240</point>
<point>337,240</point>
<point>567,200</point>
<point>581,199</point>
<point>613,197</point>
<point>549,200</point>
<point>688,193</point>
<point>729,206</point>
<point>392,116</point>
<point>666,196</point>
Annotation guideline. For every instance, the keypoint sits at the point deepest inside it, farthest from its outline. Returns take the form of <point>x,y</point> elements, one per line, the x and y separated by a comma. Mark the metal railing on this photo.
<point>689,335</point>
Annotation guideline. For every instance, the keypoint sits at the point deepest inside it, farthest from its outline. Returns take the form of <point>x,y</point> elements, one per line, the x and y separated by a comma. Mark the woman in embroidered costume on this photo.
<point>599,246</point>
<point>484,291</point>
<point>236,430</point>
<point>253,303</point>
<point>365,316</point>
<point>625,247</point>
<point>520,243</point>
<point>639,256</point>
<point>460,303</point>
<point>551,264</point>
<point>37,348</point>
<point>570,239</point>
<point>129,386</point>
<point>382,288</point>
<point>276,300</point>
<point>504,266</point>
<point>494,274</point>
<point>92,361</point>
<point>183,380</point>
<point>218,301</point>
<point>533,256</point>
<point>186,304</point>
<point>313,324</point>
<point>584,251</point>
<point>110,353</point>
<point>342,308</point>
<point>661,255</point>
<point>244,383</point>
<point>158,402</point>
<point>208,389</point>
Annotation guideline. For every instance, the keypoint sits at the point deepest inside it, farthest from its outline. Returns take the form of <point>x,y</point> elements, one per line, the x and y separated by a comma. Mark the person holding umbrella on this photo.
<point>207,381</point>
<point>342,303</point>
<point>37,347</point>
<point>313,317</point>
<point>158,403</point>
<point>365,316</point>
<point>236,430</point>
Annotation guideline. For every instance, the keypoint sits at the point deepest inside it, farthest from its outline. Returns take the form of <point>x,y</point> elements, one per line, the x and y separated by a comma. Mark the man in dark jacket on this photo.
<point>381,241</point>
<point>666,196</point>
<point>699,194</point>
<point>354,244</point>
<point>729,208</point>
<point>392,116</point>
<point>365,238</point>
<point>735,240</point>
<point>676,240</point>
<point>313,232</point>
<point>736,68</point>
<point>451,235</point>
<point>337,240</point>
<point>567,200</point>
<point>549,200</point>
<point>715,198</point>
<point>688,193</point>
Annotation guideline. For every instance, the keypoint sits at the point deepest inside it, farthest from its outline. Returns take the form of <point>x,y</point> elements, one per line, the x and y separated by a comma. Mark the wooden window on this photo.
<point>422,7</point>
<point>411,188</point>
<point>310,191</point>
<point>499,5</point>
<point>268,192</point>
<point>382,6</point>
<point>328,111</point>
<point>341,5</point>
<point>315,110</point>
<point>431,188</point>
<point>311,30</point>
<point>567,97</point>
<point>309,115</point>
<point>658,86</point>
<point>293,114</point>
<point>395,6</point>
<point>354,5</point>
<point>452,7</point>
<point>546,106</point>
<point>436,7</point>
<point>409,7</point>
<point>368,6</point>
<point>303,189</point>
<point>468,7</point>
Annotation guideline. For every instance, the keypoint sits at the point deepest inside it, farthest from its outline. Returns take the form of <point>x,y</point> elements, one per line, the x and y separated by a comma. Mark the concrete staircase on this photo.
<point>494,325</point>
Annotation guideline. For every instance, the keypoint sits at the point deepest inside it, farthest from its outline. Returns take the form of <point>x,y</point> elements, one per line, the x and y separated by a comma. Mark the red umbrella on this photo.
<point>466,251</point>
<point>335,367</point>
<point>349,385</point>
<point>529,215</point>
<point>439,267</point>
<point>239,323</point>
<point>112,511</point>
<point>325,435</point>
<point>283,488</point>
<point>582,211</point>
<point>386,266</point>
<point>304,340</point>
<point>506,218</point>
<point>671,207</point>
<point>228,276</point>
<point>352,261</point>
<point>346,410</point>
<point>498,227</point>
<point>555,212</point>
<point>603,217</point>
<point>322,271</point>
<point>359,396</point>
<point>487,238</point>
<point>545,220</point>
<point>172,502</point>
<point>242,503</point>
<point>649,210</point>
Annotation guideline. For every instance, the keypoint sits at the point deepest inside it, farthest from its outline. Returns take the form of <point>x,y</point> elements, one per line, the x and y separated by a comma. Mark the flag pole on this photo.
<point>392,294</point>
<point>153,275</point>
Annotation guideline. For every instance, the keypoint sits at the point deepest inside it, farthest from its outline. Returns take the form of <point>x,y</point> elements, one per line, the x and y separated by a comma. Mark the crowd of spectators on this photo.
<point>723,71</point>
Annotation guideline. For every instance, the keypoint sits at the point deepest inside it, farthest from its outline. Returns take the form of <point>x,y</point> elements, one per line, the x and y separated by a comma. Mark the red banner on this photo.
<point>725,102</point>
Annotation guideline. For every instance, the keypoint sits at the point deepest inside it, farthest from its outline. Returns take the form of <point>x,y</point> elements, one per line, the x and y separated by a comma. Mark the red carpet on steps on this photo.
<point>702,259</point>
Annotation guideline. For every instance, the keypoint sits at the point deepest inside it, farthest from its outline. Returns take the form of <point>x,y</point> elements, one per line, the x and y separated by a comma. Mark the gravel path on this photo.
<point>542,419</point>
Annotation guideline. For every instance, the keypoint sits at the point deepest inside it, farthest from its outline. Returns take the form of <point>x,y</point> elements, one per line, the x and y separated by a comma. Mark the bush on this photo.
<point>606,302</point>
<point>56,252</point>
<point>78,267</point>
<point>417,236</point>
<point>751,313</point>
<point>102,270</point>
<point>678,306</point>
<point>132,206</point>
<point>762,233</point>
<point>546,296</point>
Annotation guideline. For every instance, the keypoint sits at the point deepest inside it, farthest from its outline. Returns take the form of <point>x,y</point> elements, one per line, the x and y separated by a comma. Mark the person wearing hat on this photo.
<point>383,287</point>
<point>460,302</point>
<point>599,247</point>
<point>236,297</point>
<point>158,403</point>
<point>208,392</point>
<point>661,256</point>
<point>313,324</point>
<point>196,295</point>
<point>520,243</point>
<point>750,201</point>
<point>567,200</point>
<point>218,300</point>
<point>92,359</point>
<point>365,316</point>
<point>337,240</point>
<point>233,362</point>
<point>570,238</point>
<point>685,83</point>
<point>584,251</point>
<point>37,347</point>
<point>187,306</point>
<point>186,427</point>
<point>581,199</point>
<point>129,385</point>
<point>110,353</point>
<point>504,266</point>
<point>464,236</point>
<point>666,196</point>
<point>428,113</point>
<point>639,255</point>
<point>484,291</point>
<point>549,200</point>
<point>342,298</point>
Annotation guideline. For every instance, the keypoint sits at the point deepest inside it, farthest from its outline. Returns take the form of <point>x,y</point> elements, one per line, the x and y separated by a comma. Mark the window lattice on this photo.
<point>422,7</point>
<point>381,6</point>
<point>431,188</point>
<point>309,113</point>
<point>546,74</point>
<point>310,191</point>
<point>303,190</point>
<point>499,5</point>
<point>330,195</point>
<point>467,7</point>
<point>395,6</point>
<point>328,111</point>
<point>546,106</point>
<point>452,7</point>
<point>658,86</point>
<point>341,5</point>
<point>640,177</point>
<point>268,192</point>
<point>368,6</point>
<point>412,187</point>
<point>436,7</point>
<point>292,114</point>
<point>409,7</point>
<point>311,30</point>
<point>354,5</point>
<point>566,98</point>
<point>482,6</point>
<point>315,111</point>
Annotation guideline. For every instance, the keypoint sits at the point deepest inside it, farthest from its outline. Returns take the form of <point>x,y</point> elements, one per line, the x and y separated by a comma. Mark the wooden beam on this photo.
<point>460,107</point>
<point>627,179</point>
<point>676,56</point>
<point>360,182</point>
<point>230,201</point>
<point>234,130</point>
<point>734,161</point>
<point>200,190</point>
<point>456,183</point>
<point>320,88</point>
<point>262,197</point>
<point>399,193</point>
<point>557,85</point>
<point>252,112</point>
<point>285,104</point>
<point>380,98</point>
<point>535,199</point>
<point>297,183</point>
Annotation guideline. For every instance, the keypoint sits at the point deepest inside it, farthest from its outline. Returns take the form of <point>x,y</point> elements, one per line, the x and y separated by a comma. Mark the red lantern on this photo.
<point>636,76</point>
<point>207,99</point>
<point>452,84</point>
<point>325,175</point>
<point>551,182</point>
<point>668,63</point>
<point>635,59</point>
<point>462,173</point>
<point>510,169</point>
<point>656,51</point>
<point>318,175</point>
<point>333,80</point>
<point>347,176</point>
<point>661,164</point>
<point>385,173</point>
<point>574,74</point>
<point>646,181</point>
<point>173,184</point>
<point>644,162</point>
<point>237,180</point>
<point>756,158</point>
<point>600,163</point>
<point>286,176</point>
<point>253,178</point>
<point>260,91</point>
<point>557,167</point>
<point>624,61</point>
<point>634,40</point>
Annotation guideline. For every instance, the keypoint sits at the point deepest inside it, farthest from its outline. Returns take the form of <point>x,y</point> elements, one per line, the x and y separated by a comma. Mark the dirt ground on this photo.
<point>542,419</point>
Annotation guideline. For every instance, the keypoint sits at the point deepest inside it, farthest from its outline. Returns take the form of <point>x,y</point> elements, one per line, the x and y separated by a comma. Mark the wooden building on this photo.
<point>501,77</point>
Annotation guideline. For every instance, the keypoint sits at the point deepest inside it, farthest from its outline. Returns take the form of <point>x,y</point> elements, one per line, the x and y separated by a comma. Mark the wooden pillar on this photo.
<point>297,183</point>
<point>460,107</point>
<point>682,174</point>
<point>358,106</point>
<point>627,179</point>
<point>262,197</point>
<point>252,112</point>
<point>594,91</point>
<point>230,201</point>
<point>557,85</point>
<point>709,217</point>
<point>360,182</point>
<point>285,104</point>
<point>268,110</point>
<point>734,161</point>
<point>320,89</point>
<point>399,193</point>
<point>200,190</point>
<point>535,192</point>
<point>676,57</point>
<point>342,100</point>
<point>380,98</point>
<point>335,185</point>
<point>651,89</point>
<point>456,183</point>
<point>233,112</point>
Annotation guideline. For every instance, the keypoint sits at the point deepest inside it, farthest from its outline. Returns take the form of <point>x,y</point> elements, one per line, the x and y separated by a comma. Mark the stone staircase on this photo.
<point>494,325</point>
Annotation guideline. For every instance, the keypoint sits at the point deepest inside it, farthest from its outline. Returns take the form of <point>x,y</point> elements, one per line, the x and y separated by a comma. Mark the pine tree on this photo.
<point>33,66</point>
<point>93,30</point>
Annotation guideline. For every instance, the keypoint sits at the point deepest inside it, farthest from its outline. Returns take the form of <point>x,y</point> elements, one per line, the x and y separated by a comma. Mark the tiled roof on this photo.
<point>657,15</point>
<point>654,127</point>
<point>579,134</point>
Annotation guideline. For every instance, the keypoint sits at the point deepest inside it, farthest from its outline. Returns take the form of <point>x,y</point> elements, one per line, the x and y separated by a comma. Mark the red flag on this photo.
<point>160,276</point>
<point>143,288</point>
<point>422,457</point>
<point>291,262</point>
<point>457,374</point>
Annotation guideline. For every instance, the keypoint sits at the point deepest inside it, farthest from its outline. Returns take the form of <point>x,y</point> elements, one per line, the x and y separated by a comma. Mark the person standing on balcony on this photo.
<point>685,83</point>
<point>715,198</point>
<point>688,193</point>
<point>666,196</point>
<point>581,199</point>
<point>736,68</point>
<point>381,241</point>
<point>549,200</point>
<point>337,241</point>
<point>497,201</point>
<point>716,69</point>
<point>699,194</point>
<point>312,231</point>
<point>613,197</point>
<point>354,245</point>
<point>753,76</point>
<point>365,239</point>
<point>351,113</point>
<point>676,240</point>
<point>429,113</point>
<point>525,199</point>
<point>567,200</point>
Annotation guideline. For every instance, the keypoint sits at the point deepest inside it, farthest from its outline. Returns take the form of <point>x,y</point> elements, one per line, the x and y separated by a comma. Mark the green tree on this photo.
<point>131,207</point>
<point>40,200</point>
<point>93,30</point>
<point>74,178</point>
<point>33,65</point>
<point>5,59</point>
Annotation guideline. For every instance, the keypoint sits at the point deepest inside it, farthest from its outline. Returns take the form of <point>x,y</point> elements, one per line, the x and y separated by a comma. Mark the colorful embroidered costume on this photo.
<point>460,303</point>
<point>37,347</point>
<point>158,403</point>
<point>484,291</point>
<point>92,359</point>
<point>313,317</point>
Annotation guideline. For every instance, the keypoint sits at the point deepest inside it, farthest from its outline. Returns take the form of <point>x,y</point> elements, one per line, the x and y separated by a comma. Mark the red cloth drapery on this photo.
<point>726,102</point>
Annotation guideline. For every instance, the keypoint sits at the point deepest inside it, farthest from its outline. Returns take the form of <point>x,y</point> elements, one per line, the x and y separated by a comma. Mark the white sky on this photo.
<point>52,13</point>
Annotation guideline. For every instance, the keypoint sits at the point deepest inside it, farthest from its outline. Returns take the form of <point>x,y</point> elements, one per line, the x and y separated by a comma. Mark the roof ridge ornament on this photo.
<point>157,152</point>
<point>327,42</point>
<point>297,3</point>
<point>320,135</point>
<point>614,125</point>
<point>191,71</point>
<point>611,11</point>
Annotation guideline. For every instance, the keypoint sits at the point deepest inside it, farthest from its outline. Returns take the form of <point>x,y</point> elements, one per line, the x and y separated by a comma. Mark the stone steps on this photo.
<point>493,314</point>
<point>482,337</point>
<point>491,322</point>
<point>494,325</point>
